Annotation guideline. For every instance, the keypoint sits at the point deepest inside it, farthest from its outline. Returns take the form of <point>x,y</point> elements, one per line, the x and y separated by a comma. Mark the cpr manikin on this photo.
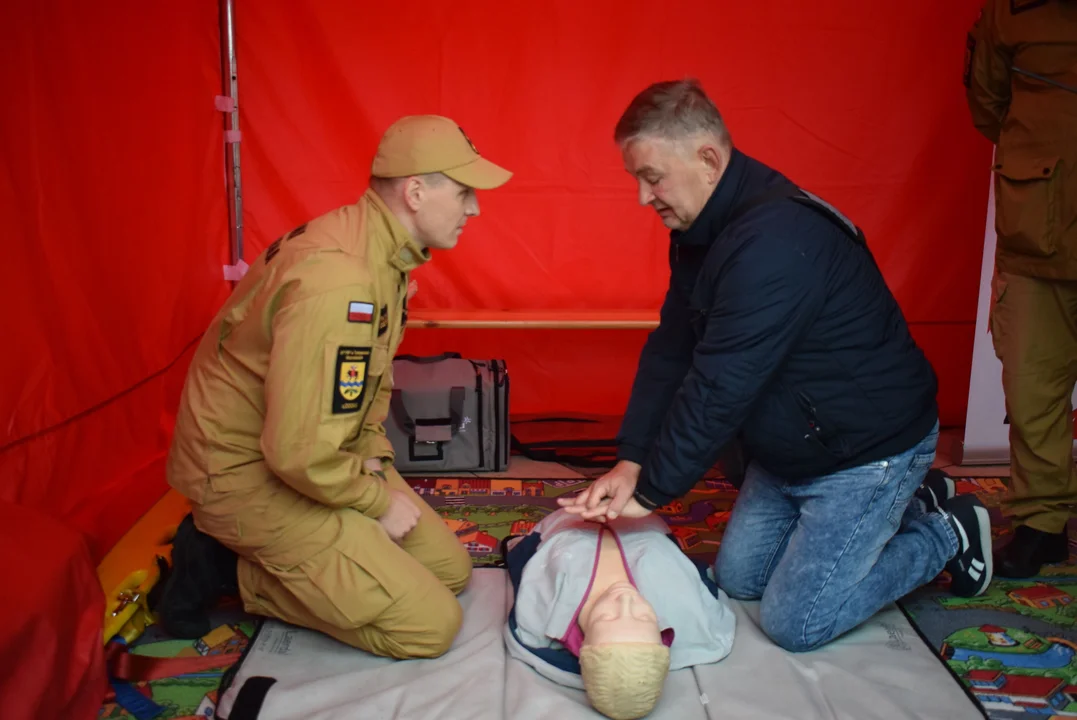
<point>622,659</point>
<point>611,608</point>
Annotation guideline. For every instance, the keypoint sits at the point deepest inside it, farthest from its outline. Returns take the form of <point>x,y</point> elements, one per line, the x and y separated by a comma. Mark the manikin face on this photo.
<point>442,211</point>
<point>675,177</point>
<point>621,615</point>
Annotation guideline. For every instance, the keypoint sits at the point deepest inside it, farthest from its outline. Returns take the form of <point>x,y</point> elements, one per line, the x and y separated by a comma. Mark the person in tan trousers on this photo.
<point>279,441</point>
<point>1021,87</point>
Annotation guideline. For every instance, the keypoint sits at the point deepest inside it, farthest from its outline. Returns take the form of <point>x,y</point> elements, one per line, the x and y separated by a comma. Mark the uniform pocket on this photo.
<point>1028,197</point>
<point>381,370</point>
<point>817,430</point>
<point>994,316</point>
<point>920,463</point>
<point>379,360</point>
<point>697,320</point>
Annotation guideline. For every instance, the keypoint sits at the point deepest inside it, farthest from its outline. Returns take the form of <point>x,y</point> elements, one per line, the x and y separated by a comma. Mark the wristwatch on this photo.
<point>644,501</point>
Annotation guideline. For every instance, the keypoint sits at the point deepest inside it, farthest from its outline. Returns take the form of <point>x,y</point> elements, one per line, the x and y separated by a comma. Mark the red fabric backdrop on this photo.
<point>50,620</point>
<point>859,102</point>
<point>113,203</point>
<point>115,206</point>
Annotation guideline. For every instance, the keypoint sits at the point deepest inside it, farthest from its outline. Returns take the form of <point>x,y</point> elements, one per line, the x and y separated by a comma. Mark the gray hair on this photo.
<point>672,109</point>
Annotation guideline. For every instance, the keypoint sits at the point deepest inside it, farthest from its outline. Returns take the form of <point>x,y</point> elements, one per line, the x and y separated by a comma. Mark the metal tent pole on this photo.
<point>230,88</point>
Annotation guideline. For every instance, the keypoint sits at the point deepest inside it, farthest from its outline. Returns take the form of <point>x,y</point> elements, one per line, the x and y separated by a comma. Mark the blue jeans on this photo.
<point>828,553</point>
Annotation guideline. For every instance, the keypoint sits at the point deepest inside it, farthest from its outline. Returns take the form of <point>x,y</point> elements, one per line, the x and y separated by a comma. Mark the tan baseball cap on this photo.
<point>421,144</point>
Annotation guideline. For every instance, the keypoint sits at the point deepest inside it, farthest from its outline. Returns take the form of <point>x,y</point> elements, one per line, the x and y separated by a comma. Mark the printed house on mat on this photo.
<point>460,527</point>
<point>479,542</point>
<point>999,691</point>
<point>521,527</point>
<point>208,706</point>
<point>487,486</point>
<point>1041,596</point>
<point>997,636</point>
<point>422,486</point>
<point>686,537</point>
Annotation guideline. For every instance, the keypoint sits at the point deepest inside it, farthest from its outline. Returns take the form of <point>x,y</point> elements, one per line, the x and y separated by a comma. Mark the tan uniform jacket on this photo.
<point>292,381</point>
<point>1034,124</point>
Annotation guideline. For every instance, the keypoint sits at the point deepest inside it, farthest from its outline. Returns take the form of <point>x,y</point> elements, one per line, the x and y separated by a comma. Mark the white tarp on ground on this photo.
<point>881,671</point>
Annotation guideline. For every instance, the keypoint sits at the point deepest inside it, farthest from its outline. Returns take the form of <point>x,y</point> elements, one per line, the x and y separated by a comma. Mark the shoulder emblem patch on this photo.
<point>350,382</point>
<point>383,320</point>
<point>274,247</point>
<point>296,232</point>
<point>360,312</point>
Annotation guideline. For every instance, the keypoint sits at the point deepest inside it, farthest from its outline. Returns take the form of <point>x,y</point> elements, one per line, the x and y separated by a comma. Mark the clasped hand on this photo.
<point>608,497</point>
<point>402,515</point>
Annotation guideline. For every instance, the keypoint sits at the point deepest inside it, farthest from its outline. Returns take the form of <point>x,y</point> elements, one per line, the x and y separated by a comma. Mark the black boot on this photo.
<point>203,571</point>
<point>1029,550</point>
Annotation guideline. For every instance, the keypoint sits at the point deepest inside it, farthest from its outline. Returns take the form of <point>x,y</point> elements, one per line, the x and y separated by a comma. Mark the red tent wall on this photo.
<point>859,102</point>
<point>115,216</point>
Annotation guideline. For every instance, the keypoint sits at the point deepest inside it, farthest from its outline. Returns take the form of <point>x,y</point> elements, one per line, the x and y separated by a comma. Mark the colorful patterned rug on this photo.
<point>483,511</point>
<point>1014,648</point>
<point>190,695</point>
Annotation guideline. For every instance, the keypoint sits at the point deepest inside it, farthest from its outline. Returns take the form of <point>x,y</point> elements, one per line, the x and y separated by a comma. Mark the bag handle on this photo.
<point>427,359</point>
<point>434,429</point>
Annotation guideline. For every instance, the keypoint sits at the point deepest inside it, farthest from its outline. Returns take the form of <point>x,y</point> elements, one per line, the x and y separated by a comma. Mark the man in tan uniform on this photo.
<point>1021,80</point>
<point>279,442</point>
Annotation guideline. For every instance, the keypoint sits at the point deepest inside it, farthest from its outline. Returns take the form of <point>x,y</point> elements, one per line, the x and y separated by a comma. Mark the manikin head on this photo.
<point>427,171</point>
<point>623,661</point>
<point>674,143</point>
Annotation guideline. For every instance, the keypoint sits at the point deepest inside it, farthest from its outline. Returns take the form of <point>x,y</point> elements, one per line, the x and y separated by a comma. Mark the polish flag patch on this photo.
<point>360,312</point>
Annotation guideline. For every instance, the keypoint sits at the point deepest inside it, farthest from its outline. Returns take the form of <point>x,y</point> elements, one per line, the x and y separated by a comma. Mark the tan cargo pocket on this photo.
<point>379,360</point>
<point>231,468</point>
<point>1028,205</point>
<point>381,369</point>
<point>994,317</point>
<point>232,482</point>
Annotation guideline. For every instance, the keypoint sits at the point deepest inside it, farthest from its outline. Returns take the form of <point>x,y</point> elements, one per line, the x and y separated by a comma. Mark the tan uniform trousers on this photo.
<point>1034,330</point>
<point>337,570</point>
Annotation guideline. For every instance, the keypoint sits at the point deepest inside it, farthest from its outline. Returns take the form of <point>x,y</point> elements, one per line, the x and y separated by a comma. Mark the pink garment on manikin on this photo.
<point>573,637</point>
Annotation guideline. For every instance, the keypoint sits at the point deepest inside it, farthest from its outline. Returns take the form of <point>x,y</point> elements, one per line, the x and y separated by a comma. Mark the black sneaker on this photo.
<point>936,489</point>
<point>971,568</point>
<point>203,571</point>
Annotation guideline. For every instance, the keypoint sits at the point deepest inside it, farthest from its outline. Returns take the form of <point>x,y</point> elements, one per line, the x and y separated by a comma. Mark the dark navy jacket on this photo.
<point>779,329</point>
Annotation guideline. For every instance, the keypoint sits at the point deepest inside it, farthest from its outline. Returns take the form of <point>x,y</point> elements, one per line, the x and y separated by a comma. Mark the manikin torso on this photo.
<point>610,570</point>
<point>613,610</point>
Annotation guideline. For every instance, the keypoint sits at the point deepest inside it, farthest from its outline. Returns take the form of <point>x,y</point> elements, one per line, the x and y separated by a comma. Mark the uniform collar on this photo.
<point>715,214</point>
<point>405,253</point>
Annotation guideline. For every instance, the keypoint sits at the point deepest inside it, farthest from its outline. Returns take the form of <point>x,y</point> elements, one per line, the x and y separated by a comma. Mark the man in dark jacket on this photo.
<point>779,330</point>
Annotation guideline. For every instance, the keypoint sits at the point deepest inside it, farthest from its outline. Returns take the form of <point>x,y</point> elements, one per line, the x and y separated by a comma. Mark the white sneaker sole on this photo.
<point>984,521</point>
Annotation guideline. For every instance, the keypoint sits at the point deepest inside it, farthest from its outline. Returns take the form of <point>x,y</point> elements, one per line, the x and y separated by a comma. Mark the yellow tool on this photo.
<point>127,613</point>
